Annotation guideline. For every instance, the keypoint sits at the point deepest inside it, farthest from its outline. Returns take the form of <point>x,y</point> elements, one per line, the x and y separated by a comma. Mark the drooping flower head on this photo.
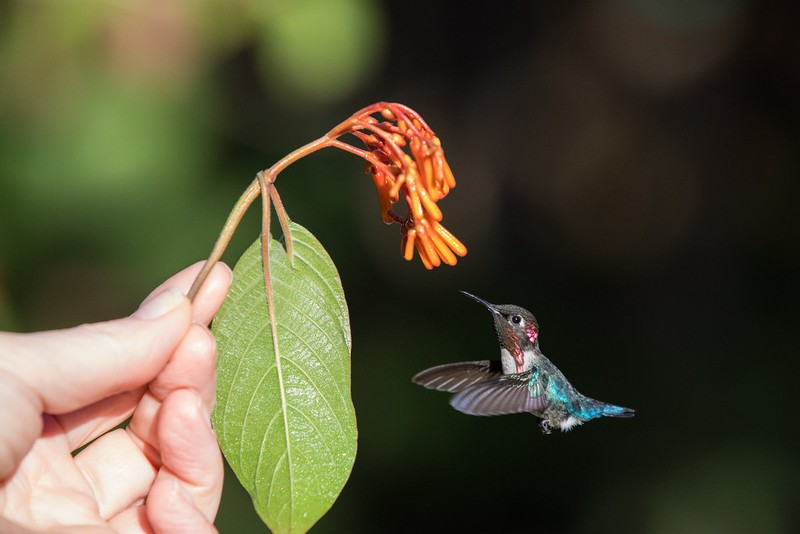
<point>406,161</point>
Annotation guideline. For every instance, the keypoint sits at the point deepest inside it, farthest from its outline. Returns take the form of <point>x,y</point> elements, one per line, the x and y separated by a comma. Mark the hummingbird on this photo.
<point>523,380</point>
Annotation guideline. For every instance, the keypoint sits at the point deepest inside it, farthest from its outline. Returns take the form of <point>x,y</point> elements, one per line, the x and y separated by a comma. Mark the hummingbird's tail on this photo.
<point>592,408</point>
<point>609,410</point>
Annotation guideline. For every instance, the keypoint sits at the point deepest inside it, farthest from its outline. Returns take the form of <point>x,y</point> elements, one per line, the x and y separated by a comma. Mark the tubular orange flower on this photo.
<point>421,177</point>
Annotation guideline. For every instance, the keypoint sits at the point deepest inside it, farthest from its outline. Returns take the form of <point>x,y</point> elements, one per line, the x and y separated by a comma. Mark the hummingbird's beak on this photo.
<point>492,307</point>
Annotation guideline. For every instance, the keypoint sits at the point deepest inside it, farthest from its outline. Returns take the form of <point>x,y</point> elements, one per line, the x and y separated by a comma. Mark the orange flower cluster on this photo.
<point>421,178</point>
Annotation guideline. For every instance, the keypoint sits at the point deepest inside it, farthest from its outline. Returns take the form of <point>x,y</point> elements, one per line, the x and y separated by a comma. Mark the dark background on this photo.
<point>627,170</point>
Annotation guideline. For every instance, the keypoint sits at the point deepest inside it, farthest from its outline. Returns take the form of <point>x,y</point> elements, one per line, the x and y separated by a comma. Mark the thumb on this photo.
<point>71,368</point>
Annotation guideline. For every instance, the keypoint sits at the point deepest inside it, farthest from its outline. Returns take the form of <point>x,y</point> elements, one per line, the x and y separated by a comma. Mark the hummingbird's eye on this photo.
<point>516,319</point>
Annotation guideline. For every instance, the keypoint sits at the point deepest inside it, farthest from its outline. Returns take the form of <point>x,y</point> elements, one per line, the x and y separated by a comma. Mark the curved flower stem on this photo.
<point>365,155</point>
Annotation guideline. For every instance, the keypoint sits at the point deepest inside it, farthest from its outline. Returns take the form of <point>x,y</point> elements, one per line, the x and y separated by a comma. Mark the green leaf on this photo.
<point>285,421</point>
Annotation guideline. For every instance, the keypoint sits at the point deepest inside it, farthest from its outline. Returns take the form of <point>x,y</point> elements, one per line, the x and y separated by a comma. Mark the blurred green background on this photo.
<point>627,170</point>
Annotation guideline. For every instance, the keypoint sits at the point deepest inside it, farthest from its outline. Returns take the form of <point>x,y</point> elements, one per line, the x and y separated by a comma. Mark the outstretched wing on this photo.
<point>500,396</point>
<point>454,377</point>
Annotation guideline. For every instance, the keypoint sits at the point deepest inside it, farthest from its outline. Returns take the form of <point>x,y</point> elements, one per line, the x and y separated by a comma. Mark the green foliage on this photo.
<point>321,49</point>
<point>285,421</point>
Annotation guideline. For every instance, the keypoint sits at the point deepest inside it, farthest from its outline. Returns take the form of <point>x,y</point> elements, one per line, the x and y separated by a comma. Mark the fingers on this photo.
<point>117,472</point>
<point>174,510</point>
<point>82,426</point>
<point>72,368</point>
<point>191,367</point>
<point>184,496</point>
<point>97,366</point>
<point>69,369</point>
<point>20,422</point>
<point>94,375</point>
<point>186,493</point>
<point>61,371</point>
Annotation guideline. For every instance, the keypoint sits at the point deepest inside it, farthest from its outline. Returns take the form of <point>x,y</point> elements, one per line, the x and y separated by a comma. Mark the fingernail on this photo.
<point>160,305</point>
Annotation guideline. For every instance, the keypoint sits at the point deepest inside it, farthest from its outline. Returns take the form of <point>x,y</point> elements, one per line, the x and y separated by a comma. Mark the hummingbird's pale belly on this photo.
<point>569,423</point>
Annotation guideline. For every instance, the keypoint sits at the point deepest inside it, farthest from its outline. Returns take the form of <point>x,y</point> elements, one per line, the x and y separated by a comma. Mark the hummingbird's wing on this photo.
<point>506,394</point>
<point>453,377</point>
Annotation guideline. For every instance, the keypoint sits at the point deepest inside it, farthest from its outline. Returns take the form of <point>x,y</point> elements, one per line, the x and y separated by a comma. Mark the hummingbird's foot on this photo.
<point>545,426</point>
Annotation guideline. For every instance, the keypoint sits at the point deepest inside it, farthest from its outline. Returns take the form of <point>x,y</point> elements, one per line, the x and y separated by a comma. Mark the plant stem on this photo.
<point>225,235</point>
<point>283,219</point>
<point>253,190</point>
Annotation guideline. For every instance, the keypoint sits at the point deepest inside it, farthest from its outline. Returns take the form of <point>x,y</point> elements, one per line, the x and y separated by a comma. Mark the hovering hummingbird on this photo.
<point>524,380</point>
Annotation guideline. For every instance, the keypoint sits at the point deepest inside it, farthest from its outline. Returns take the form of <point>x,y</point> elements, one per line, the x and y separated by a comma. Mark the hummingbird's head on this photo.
<point>516,327</point>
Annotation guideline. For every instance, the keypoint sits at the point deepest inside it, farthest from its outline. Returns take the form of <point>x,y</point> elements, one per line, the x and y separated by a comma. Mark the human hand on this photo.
<point>60,390</point>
